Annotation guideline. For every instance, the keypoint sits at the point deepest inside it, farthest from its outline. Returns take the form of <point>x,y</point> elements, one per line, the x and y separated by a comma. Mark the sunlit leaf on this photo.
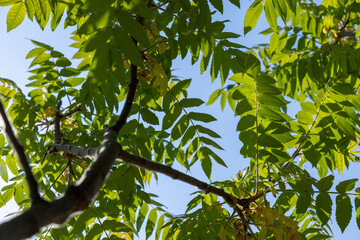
<point>15,15</point>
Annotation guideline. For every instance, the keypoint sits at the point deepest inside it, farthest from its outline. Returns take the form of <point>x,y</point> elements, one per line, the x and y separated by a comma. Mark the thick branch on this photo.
<point>76,198</point>
<point>120,122</point>
<point>33,185</point>
<point>75,150</point>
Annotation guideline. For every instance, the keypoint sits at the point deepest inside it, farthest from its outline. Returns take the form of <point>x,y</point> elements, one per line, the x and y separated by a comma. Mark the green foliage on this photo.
<point>311,61</point>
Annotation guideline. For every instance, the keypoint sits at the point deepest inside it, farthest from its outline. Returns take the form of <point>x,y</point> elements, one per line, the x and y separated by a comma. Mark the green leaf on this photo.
<point>11,164</point>
<point>128,47</point>
<point>203,117</point>
<point>8,2</point>
<point>252,16</point>
<point>308,107</point>
<point>150,225</point>
<point>323,207</point>
<point>281,9</point>
<point>3,171</point>
<point>63,62</point>
<point>210,142</point>
<point>35,52</point>
<point>210,153</point>
<point>180,127</point>
<point>292,5</point>
<point>148,116</point>
<point>39,59</point>
<point>98,20</point>
<point>171,116</point>
<point>159,226</point>
<point>357,209</point>
<point>303,203</point>
<point>56,54</point>
<point>235,2</point>
<point>73,82</point>
<point>305,118</point>
<point>343,211</point>
<point>57,15</point>
<point>325,183</point>
<point>270,114</point>
<point>180,86</point>
<point>207,131</point>
<point>346,186</point>
<point>138,6</point>
<point>345,126</point>
<point>267,88</point>
<point>271,100</point>
<point>80,223</point>
<point>189,134</point>
<point>15,15</point>
<point>133,27</point>
<point>185,4</point>
<point>268,141</point>
<point>43,45</point>
<point>2,141</point>
<point>141,216</point>
<point>218,4</point>
<point>94,233</point>
<point>270,14</point>
<point>246,122</point>
<point>30,9</point>
<point>214,96</point>
<point>191,102</point>
<point>343,88</point>
<point>206,165</point>
<point>223,100</point>
<point>69,72</point>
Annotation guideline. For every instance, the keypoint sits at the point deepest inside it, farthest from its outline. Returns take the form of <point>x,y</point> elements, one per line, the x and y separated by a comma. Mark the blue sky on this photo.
<point>15,45</point>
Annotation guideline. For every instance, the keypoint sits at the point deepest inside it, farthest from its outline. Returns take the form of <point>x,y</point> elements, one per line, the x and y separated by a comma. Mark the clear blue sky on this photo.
<point>15,45</point>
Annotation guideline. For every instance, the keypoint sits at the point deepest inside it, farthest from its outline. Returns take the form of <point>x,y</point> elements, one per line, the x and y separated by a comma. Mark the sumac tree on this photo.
<point>90,137</point>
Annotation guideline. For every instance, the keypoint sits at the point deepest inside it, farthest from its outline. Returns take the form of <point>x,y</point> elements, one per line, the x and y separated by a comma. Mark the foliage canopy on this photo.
<point>124,80</point>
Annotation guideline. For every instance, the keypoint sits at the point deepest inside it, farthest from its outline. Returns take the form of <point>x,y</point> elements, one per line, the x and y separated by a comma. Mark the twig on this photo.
<point>121,121</point>
<point>55,180</point>
<point>99,220</point>
<point>57,133</point>
<point>33,185</point>
<point>46,152</point>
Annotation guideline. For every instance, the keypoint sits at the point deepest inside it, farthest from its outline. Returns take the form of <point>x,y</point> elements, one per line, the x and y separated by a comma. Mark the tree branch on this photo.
<point>76,198</point>
<point>19,149</point>
<point>57,132</point>
<point>129,158</point>
<point>120,122</point>
<point>177,175</point>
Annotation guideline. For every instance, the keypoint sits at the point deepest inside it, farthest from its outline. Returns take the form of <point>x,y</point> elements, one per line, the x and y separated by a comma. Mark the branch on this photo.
<point>120,122</point>
<point>129,158</point>
<point>75,150</point>
<point>76,198</point>
<point>33,185</point>
<point>72,111</point>
<point>57,132</point>
<point>175,174</point>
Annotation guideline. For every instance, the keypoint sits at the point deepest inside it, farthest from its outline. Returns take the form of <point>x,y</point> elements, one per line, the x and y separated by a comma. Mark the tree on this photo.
<point>92,136</point>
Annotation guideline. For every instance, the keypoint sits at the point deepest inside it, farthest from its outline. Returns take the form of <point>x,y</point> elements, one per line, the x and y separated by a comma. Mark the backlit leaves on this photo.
<point>295,100</point>
<point>15,15</point>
